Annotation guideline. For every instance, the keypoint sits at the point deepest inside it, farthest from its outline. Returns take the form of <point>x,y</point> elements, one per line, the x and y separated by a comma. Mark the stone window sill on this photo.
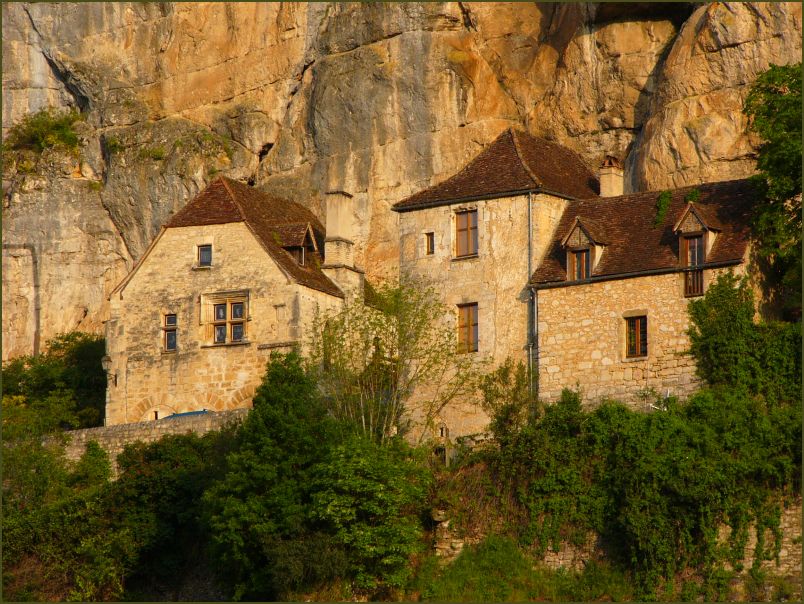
<point>226,344</point>
<point>169,352</point>
<point>201,268</point>
<point>634,359</point>
<point>469,257</point>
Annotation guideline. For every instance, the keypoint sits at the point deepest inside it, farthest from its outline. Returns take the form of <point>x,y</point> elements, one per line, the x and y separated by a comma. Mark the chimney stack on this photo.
<point>339,253</point>
<point>611,177</point>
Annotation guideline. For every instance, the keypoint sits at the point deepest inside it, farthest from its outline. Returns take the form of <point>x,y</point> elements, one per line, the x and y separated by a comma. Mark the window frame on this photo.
<point>200,249</point>
<point>468,328</point>
<point>572,263</point>
<point>467,242</point>
<point>693,273</point>
<point>640,336</point>
<point>220,315</point>
<point>170,328</point>
<point>429,243</point>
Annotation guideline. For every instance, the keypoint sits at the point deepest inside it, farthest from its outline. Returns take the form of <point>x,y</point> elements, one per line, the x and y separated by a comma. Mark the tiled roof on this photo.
<point>515,161</point>
<point>636,245</point>
<point>270,218</point>
<point>291,235</point>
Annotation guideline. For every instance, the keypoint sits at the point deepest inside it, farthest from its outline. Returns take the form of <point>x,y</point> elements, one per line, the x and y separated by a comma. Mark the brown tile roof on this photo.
<point>288,235</point>
<point>515,161</point>
<point>636,246</point>
<point>270,218</point>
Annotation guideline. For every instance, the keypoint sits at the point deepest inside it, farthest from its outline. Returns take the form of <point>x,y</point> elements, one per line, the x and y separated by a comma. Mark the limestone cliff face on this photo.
<point>376,100</point>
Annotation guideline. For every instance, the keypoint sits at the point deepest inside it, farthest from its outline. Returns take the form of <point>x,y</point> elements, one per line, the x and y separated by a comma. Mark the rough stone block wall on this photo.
<point>495,279</point>
<point>581,334</point>
<point>200,375</point>
<point>113,439</point>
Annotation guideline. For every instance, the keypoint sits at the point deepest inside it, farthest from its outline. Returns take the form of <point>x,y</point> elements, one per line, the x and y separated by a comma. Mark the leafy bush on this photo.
<point>656,486</point>
<point>70,368</point>
<point>372,498</point>
<point>261,503</point>
<point>730,349</point>
<point>44,129</point>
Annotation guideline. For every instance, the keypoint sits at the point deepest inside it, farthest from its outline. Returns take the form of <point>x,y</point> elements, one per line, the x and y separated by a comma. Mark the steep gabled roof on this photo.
<point>636,246</point>
<point>592,229</point>
<point>270,218</point>
<point>514,162</point>
<point>704,215</point>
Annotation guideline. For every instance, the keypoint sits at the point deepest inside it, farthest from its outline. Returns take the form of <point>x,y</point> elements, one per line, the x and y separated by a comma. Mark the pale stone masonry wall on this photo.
<point>581,337</point>
<point>199,375</point>
<point>495,279</point>
<point>113,439</point>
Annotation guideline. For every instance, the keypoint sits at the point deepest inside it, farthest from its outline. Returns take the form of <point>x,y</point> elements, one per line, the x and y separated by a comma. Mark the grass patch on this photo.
<point>497,570</point>
<point>155,153</point>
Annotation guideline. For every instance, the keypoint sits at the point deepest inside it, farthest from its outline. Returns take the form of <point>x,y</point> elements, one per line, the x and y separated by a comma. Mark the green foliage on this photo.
<point>368,360</point>
<point>371,498</point>
<point>262,501</point>
<point>92,469</point>
<point>508,399</point>
<point>70,369</point>
<point>730,349</point>
<point>44,129</point>
<point>156,153</point>
<point>693,196</point>
<point>662,205</point>
<point>773,106</point>
<point>496,570</point>
<point>656,486</point>
<point>112,144</point>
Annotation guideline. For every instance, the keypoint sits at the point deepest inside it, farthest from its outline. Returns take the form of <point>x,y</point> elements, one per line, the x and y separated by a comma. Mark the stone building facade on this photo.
<point>604,305</point>
<point>233,276</point>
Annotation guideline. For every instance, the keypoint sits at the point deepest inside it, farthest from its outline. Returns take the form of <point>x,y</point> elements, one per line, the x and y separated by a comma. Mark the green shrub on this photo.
<point>44,129</point>
<point>155,153</point>
<point>730,349</point>
<point>371,498</point>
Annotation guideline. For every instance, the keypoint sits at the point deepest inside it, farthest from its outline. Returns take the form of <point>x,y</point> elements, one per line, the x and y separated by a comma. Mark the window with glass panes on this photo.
<point>636,336</point>
<point>228,322</point>
<point>204,255</point>
<point>467,328</point>
<point>169,325</point>
<point>580,267</point>
<point>466,233</point>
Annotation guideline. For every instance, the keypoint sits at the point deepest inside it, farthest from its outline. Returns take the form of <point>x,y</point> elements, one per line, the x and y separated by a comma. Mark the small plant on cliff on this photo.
<point>156,153</point>
<point>44,129</point>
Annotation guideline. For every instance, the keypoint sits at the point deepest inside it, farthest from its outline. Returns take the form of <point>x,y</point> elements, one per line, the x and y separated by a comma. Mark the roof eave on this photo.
<point>468,198</point>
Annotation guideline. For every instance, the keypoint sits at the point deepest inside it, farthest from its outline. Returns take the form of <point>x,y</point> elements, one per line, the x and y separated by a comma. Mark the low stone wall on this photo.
<point>114,438</point>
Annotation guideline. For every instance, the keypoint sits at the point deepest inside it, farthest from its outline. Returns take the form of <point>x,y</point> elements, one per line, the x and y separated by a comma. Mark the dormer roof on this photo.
<point>701,215</point>
<point>271,219</point>
<point>635,246</point>
<point>514,163</point>
<point>592,230</point>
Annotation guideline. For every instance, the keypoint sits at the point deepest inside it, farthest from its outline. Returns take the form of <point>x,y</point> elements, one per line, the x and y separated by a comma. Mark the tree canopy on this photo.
<point>773,107</point>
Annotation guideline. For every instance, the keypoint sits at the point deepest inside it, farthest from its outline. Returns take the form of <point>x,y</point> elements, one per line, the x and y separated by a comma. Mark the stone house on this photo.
<point>232,276</point>
<point>582,287</point>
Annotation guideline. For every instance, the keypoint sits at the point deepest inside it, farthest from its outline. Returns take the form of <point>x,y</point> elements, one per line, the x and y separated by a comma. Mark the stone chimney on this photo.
<point>339,246</point>
<point>611,177</point>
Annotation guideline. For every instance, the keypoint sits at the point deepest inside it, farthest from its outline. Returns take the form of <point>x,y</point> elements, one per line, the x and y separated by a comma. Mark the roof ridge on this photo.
<point>522,161</point>
<point>233,197</point>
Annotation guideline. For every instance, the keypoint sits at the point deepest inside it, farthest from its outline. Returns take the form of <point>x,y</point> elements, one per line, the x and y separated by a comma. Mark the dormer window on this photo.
<point>584,247</point>
<point>696,235</point>
<point>580,265</point>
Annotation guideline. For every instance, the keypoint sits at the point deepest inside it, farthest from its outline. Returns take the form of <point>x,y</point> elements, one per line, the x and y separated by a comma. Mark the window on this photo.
<point>467,328</point>
<point>204,255</point>
<point>466,233</point>
<point>692,254</point>
<point>169,332</point>
<point>429,243</point>
<point>579,264</point>
<point>636,337</point>
<point>228,323</point>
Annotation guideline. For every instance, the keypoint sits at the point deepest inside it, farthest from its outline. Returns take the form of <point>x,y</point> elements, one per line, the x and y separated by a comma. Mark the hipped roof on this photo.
<point>514,162</point>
